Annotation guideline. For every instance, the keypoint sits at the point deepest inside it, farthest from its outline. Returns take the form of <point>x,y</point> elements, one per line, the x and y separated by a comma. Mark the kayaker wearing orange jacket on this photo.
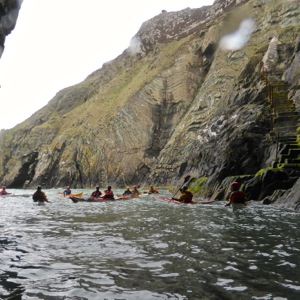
<point>186,195</point>
<point>152,190</point>
<point>135,192</point>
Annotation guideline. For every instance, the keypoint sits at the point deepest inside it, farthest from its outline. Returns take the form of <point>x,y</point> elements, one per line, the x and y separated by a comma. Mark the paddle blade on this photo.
<point>74,199</point>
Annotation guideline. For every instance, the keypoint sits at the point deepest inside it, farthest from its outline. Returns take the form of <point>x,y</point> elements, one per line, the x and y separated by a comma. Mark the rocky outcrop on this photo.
<point>174,103</point>
<point>9,11</point>
<point>287,198</point>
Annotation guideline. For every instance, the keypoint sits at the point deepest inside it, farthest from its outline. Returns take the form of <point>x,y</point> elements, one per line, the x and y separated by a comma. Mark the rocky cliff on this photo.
<point>187,97</point>
<point>9,11</point>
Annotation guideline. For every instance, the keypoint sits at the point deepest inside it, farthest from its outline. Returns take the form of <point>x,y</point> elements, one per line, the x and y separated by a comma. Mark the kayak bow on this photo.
<point>79,195</point>
<point>179,202</point>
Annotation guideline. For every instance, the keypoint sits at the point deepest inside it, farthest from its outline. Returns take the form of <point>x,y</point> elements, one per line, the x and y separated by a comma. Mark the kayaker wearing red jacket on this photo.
<point>109,194</point>
<point>3,191</point>
<point>236,196</point>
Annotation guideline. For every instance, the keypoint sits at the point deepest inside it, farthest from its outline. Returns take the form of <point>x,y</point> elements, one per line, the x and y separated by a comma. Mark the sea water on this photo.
<point>146,249</point>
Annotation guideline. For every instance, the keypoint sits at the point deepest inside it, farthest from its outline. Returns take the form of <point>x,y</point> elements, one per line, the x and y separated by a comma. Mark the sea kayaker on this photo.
<point>236,196</point>
<point>135,192</point>
<point>108,194</point>
<point>186,195</point>
<point>4,191</point>
<point>39,195</point>
<point>127,192</point>
<point>67,191</point>
<point>97,193</point>
<point>152,190</point>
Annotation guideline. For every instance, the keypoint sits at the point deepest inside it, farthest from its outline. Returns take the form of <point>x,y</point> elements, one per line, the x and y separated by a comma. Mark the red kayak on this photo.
<point>92,199</point>
<point>179,202</point>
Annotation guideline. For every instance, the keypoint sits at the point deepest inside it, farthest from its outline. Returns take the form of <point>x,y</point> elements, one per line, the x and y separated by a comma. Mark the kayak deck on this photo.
<point>179,202</point>
<point>78,199</point>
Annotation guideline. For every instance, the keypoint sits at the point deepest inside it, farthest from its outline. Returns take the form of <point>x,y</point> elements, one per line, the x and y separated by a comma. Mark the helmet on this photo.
<point>134,186</point>
<point>97,187</point>
<point>235,185</point>
<point>151,185</point>
<point>3,187</point>
<point>39,187</point>
<point>127,187</point>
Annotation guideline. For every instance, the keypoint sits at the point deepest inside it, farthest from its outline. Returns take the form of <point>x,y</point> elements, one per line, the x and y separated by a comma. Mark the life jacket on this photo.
<point>127,192</point>
<point>108,194</point>
<point>186,197</point>
<point>152,190</point>
<point>67,192</point>
<point>237,197</point>
<point>39,196</point>
<point>96,194</point>
<point>136,192</point>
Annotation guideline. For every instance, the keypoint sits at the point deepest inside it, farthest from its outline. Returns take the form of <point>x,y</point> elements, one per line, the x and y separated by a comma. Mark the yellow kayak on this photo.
<point>79,195</point>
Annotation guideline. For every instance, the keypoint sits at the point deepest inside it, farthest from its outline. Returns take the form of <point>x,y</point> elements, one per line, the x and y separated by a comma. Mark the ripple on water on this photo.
<point>146,249</point>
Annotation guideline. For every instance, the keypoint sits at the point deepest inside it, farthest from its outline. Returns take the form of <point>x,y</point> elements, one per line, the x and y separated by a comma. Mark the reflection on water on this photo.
<point>146,249</point>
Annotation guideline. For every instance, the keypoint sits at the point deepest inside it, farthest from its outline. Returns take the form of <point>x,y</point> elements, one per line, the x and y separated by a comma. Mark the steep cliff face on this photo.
<point>226,130</point>
<point>173,103</point>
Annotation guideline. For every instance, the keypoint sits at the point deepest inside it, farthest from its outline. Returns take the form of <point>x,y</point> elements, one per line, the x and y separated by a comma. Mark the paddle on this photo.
<point>186,182</point>
<point>74,199</point>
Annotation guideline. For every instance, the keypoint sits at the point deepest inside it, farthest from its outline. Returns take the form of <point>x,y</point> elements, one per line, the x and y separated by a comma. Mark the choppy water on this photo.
<point>146,249</point>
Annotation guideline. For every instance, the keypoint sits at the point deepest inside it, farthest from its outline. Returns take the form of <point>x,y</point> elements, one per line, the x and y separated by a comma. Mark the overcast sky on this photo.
<point>58,43</point>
